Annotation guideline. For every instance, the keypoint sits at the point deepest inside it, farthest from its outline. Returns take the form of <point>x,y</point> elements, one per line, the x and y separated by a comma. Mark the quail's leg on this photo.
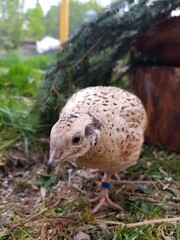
<point>104,195</point>
<point>95,171</point>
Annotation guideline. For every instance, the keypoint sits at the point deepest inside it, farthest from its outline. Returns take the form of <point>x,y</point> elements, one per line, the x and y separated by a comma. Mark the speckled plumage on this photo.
<point>123,120</point>
<point>109,124</point>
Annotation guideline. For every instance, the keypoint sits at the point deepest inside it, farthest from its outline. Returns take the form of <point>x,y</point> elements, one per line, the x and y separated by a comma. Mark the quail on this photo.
<point>99,128</point>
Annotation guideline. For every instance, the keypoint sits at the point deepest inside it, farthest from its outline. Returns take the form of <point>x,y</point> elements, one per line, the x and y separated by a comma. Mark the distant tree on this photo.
<point>78,14</point>
<point>35,28</point>
<point>51,21</point>
<point>11,23</point>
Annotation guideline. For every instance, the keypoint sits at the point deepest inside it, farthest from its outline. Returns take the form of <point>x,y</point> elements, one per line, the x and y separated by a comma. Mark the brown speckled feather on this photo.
<point>123,121</point>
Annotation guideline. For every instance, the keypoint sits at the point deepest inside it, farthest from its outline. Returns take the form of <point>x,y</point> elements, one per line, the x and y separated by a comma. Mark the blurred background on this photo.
<point>24,24</point>
<point>29,42</point>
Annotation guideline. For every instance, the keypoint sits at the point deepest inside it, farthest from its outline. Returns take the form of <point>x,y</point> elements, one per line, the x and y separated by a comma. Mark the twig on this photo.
<point>69,84</point>
<point>133,182</point>
<point>88,51</point>
<point>27,234</point>
<point>153,183</point>
<point>52,220</point>
<point>41,212</point>
<point>53,89</point>
<point>137,224</point>
<point>164,186</point>
<point>78,188</point>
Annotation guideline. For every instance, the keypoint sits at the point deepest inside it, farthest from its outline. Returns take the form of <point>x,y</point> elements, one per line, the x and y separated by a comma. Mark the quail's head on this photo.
<point>71,137</point>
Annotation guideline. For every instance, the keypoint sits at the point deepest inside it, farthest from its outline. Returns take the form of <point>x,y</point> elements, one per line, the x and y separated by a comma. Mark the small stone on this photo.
<point>82,236</point>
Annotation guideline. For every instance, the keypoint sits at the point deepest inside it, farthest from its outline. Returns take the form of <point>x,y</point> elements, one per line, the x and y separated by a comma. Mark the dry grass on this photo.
<point>148,191</point>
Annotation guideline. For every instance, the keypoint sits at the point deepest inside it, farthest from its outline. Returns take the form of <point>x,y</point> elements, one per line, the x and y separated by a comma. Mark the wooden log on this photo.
<point>159,90</point>
<point>162,41</point>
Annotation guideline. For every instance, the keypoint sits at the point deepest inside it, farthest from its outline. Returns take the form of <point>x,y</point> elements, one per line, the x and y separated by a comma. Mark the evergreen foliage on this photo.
<point>89,57</point>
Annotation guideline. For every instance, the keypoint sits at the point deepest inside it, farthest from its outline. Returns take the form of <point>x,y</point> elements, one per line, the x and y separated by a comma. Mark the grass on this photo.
<point>20,81</point>
<point>16,125</point>
<point>36,62</point>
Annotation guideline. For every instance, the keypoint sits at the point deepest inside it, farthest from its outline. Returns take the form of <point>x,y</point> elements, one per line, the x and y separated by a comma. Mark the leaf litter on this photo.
<point>34,205</point>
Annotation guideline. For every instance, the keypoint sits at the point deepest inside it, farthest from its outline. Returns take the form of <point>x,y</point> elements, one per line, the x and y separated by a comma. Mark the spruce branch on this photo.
<point>89,57</point>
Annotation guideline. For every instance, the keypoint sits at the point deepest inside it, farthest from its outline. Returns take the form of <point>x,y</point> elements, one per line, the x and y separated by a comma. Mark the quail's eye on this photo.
<point>76,139</point>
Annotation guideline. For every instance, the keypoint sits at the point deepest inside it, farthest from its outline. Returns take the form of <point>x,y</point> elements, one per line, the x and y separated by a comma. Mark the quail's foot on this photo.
<point>103,196</point>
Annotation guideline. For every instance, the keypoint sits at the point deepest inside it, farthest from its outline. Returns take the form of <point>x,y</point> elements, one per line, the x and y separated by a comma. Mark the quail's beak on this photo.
<point>52,163</point>
<point>50,166</point>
